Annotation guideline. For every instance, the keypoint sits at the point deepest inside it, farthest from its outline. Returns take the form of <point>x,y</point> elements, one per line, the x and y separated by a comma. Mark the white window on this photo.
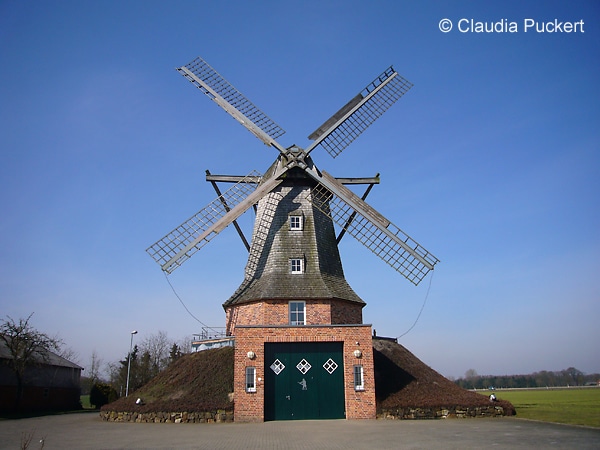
<point>359,383</point>
<point>297,313</point>
<point>330,366</point>
<point>297,265</point>
<point>296,223</point>
<point>250,379</point>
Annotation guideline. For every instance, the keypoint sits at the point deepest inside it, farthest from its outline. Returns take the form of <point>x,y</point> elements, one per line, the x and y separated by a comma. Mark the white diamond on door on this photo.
<point>303,366</point>
<point>277,367</point>
<point>330,366</point>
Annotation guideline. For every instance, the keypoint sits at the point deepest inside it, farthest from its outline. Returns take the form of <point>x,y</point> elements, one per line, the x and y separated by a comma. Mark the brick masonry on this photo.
<point>249,407</point>
<point>275,312</point>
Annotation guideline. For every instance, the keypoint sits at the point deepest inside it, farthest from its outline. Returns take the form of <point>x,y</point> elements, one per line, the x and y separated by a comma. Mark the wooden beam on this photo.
<point>353,215</point>
<point>237,179</point>
<point>235,224</point>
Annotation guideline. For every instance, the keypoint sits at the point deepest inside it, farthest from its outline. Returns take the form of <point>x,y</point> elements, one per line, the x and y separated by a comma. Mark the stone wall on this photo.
<point>221,416</point>
<point>168,417</point>
<point>441,413</point>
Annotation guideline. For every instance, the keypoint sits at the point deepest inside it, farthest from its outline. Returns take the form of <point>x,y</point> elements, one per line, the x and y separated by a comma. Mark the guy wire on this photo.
<point>422,307</point>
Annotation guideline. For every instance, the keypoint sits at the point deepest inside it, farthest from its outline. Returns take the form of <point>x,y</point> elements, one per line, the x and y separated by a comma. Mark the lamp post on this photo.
<point>129,362</point>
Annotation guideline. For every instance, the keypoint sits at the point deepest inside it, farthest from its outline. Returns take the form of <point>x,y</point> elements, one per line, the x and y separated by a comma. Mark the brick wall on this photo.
<point>346,312</point>
<point>273,312</point>
<point>249,407</point>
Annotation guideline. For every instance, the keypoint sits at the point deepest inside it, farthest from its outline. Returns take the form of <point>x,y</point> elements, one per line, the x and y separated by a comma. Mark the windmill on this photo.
<point>350,212</point>
<point>296,322</point>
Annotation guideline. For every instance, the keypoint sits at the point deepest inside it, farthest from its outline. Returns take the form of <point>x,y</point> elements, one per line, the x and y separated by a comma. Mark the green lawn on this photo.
<point>85,401</point>
<point>569,405</point>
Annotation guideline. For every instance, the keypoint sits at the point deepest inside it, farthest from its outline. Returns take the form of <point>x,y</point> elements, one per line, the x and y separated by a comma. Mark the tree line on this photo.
<point>544,378</point>
<point>153,355</point>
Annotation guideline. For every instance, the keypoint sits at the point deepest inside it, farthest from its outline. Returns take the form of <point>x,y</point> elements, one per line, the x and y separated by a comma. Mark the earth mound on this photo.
<point>203,381</point>
<point>403,381</point>
<point>197,382</point>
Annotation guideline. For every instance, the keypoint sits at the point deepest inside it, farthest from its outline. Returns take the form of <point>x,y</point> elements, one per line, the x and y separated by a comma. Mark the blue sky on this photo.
<point>491,162</point>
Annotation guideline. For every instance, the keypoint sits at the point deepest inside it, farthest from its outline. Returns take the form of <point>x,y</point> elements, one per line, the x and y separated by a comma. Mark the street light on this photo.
<point>129,362</point>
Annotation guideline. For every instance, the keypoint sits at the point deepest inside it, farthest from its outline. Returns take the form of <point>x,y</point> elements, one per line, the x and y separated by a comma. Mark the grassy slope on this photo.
<point>199,381</point>
<point>404,381</point>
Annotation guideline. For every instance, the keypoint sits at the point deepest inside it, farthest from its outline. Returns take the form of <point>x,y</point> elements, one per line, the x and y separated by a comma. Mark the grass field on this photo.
<point>569,405</point>
<point>85,402</point>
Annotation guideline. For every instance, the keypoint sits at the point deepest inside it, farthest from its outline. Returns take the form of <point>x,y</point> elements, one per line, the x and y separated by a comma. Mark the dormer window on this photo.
<point>296,265</point>
<point>296,223</point>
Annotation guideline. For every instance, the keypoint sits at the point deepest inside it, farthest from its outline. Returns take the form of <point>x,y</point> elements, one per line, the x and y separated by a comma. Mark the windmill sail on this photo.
<point>180,244</point>
<point>339,131</point>
<point>351,213</point>
<point>370,228</point>
<point>205,78</point>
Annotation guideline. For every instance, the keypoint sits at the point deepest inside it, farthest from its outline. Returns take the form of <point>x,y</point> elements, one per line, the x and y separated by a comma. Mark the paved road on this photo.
<point>88,431</point>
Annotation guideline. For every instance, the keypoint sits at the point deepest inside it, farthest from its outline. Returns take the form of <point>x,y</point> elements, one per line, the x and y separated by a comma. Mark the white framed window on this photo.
<point>297,313</point>
<point>359,382</point>
<point>296,223</point>
<point>297,265</point>
<point>330,366</point>
<point>250,379</point>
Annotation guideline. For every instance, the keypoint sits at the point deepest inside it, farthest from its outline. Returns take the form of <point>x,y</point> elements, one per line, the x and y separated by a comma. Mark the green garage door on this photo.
<point>304,380</point>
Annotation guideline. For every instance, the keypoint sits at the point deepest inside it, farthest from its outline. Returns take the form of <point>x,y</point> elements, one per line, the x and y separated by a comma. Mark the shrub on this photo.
<point>101,394</point>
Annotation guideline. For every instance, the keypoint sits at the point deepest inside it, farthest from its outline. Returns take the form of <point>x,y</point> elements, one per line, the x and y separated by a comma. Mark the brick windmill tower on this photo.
<point>301,349</point>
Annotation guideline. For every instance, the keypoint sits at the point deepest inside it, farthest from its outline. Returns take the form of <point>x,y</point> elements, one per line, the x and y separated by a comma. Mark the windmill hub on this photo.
<point>295,157</point>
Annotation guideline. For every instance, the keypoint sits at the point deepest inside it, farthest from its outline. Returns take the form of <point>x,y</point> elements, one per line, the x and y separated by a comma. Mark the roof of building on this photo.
<point>47,358</point>
<point>294,286</point>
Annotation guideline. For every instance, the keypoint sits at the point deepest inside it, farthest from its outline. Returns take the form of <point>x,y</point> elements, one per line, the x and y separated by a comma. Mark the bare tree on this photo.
<point>114,371</point>
<point>95,363</point>
<point>152,356</point>
<point>157,346</point>
<point>69,354</point>
<point>93,374</point>
<point>471,375</point>
<point>185,344</point>
<point>26,347</point>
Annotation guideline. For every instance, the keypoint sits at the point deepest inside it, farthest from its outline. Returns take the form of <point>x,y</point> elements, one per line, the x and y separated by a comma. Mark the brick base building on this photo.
<point>264,353</point>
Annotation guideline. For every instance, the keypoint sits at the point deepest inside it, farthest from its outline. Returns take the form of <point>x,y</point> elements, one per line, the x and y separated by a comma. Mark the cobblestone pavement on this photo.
<point>88,431</point>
